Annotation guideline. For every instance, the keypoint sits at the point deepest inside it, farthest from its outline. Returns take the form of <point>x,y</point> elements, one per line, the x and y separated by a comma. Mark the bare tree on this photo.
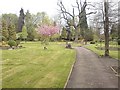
<point>107,16</point>
<point>71,17</point>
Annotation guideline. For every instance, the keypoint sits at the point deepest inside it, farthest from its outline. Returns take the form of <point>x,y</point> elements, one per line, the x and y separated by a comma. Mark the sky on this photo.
<point>34,6</point>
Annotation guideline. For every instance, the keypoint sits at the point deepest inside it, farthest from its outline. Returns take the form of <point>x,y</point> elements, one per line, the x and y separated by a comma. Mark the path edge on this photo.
<point>71,70</point>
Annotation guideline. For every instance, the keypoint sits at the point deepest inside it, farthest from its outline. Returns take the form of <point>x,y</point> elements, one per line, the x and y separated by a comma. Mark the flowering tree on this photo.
<point>47,31</point>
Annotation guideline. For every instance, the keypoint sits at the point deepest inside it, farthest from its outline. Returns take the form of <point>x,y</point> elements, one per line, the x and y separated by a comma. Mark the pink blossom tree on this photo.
<point>46,32</point>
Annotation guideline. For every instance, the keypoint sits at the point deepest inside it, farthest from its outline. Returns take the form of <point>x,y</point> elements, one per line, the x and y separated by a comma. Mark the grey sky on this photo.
<point>49,6</point>
<point>34,6</point>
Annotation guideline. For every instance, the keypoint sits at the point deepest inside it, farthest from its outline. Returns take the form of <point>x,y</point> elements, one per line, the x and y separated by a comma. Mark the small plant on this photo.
<point>11,43</point>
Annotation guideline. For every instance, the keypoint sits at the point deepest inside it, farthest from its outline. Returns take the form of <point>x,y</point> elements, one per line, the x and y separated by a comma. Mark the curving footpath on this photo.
<point>91,71</point>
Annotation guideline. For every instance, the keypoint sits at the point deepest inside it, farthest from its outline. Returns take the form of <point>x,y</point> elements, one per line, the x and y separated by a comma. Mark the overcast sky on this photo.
<point>34,6</point>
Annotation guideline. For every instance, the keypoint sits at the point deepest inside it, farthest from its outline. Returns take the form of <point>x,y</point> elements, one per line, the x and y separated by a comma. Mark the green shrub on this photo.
<point>92,42</point>
<point>17,42</point>
<point>118,41</point>
<point>2,38</point>
<point>11,43</point>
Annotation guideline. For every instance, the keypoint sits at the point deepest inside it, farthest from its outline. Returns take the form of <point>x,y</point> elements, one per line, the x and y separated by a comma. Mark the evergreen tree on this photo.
<point>29,26</point>
<point>64,33</point>
<point>21,20</point>
<point>83,25</point>
<point>114,31</point>
<point>24,33</point>
<point>11,31</point>
<point>89,35</point>
<point>10,18</point>
<point>72,33</point>
<point>5,31</point>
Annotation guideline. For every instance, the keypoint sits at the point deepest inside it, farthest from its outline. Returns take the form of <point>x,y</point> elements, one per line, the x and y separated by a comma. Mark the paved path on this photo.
<point>91,71</point>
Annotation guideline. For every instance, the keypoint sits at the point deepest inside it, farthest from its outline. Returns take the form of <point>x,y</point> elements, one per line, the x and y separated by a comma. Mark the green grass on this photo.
<point>33,67</point>
<point>113,54</point>
<point>73,44</point>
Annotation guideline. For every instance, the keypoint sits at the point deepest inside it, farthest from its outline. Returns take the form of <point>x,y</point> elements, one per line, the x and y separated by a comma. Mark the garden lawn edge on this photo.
<point>98,54</point>
<point>70,71</point>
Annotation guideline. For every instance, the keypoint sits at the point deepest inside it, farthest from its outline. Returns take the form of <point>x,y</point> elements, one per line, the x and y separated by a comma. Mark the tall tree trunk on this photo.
<point>76,35</point>
<point>106,28</point>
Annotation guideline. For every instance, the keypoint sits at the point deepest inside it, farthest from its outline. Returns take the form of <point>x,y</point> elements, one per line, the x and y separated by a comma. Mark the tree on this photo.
<point>10,18</point>
<point>64,33</point>
<point>12,32</point>
<point>71,17</point>
<point>89,35</point>
<point>107,14</point>
<point>29,23</point>
<point>114,31</point>
<point>46,32</point>
<point>83,25</point>
<point>5,31</point>
<point>24,33</point>
<point>21,20</point>
<point>9,26</point>
<point>41,18</point>
<point>106,27</point>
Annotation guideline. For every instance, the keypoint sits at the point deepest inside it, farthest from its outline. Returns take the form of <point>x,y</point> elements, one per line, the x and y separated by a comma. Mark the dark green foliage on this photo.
<point>114,31</point>
<point>83,25</point>
<point>11,43</point>
<point>21,20</point>
<point>64,33</point>
<point>88,36</point>
<point>92,42</point>
<point>118,41</point>
<point>119,30</point>
<point>68,34</point>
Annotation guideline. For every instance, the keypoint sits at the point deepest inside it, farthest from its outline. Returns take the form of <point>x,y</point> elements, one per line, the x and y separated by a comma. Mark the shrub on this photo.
<point>118,41</point>
<point>17,42</point>
<point>2,38</point>
<point>92,42</point>
<point>11,43</point>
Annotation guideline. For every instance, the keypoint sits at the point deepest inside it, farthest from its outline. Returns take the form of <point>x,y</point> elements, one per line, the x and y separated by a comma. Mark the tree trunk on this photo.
<point>106,28</point>
<point>76,35</point>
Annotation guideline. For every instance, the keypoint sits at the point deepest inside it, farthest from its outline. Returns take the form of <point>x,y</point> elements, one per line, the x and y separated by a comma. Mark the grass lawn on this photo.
<point>113,54</point>
<point>33,67</point>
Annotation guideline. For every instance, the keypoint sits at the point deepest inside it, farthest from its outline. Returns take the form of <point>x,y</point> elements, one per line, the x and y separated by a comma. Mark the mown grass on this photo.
<point>113,54</point>
<point>33,67</point>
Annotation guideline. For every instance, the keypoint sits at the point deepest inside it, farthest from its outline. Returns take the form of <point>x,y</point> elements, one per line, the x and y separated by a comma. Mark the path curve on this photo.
<point>90,71</point>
